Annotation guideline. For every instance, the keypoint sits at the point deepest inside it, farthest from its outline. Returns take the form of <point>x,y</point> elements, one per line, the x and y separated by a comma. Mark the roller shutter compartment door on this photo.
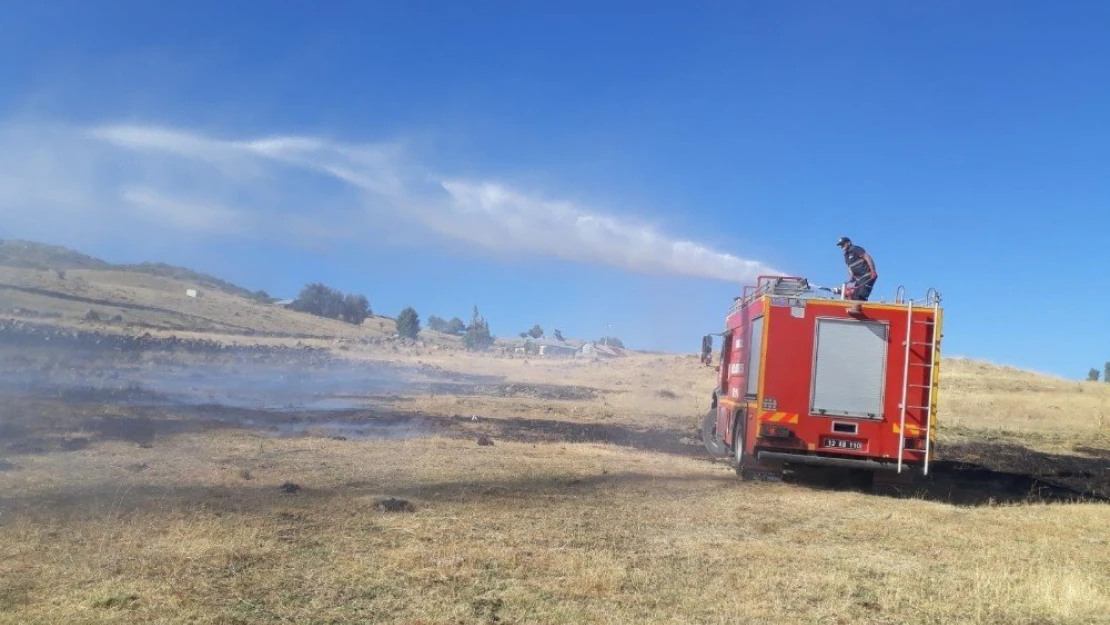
<point>849,368</point>
<point>755,344</point>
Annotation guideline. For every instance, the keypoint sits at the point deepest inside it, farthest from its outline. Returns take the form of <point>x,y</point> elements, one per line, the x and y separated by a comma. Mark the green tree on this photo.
<point>436,323</point>
<point>523,335</point>
<point>356,308</point>
<point>558,335</point>
<point>456,326</point>
<point>1092,375</point>
<point>536,331</point>
<point>408,323</point>
<point>324,301</point>
<point>477,335</point>
<point>320,300</point>
<point>1106,368</point>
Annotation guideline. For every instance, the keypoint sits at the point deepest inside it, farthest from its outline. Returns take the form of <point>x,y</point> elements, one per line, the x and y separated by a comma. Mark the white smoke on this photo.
<point>495,216</point>
<point>311,187</point>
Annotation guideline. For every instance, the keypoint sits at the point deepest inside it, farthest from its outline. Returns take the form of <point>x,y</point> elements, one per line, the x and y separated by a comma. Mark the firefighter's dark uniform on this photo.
<point>861,272</point>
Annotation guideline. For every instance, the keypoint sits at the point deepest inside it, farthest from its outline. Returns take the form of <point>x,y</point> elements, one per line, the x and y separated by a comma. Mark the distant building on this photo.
<point>557,350</point>
<point>284,303</point>
<point>609,350</point>
<point>548,347</point>
<point>191,293</point>
<point>601,351</point>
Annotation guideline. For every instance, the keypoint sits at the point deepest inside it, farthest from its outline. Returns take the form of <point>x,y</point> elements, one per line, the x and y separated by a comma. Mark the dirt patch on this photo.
<point>31,446</point>
<point>963,483</point>
<point>73,444</point>
<point>394,505</point>
<point>548,392</point>
<point>664,440</point>
<point>12,431</point>
<point>140,430</point>
<point>127,394</point>
<point>1014,468</point>
<point>488,608</point>
<point>145,425</point>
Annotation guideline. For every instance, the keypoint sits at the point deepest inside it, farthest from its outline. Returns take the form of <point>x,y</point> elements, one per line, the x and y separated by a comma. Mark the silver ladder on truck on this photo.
<point>930,385</point>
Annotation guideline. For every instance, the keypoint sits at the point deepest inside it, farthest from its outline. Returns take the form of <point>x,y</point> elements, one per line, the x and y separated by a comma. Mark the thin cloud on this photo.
<point>189,216</point>
<point>299,187</point>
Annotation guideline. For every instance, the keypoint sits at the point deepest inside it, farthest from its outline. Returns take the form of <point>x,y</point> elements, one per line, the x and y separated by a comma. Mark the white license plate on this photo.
<point>839,443</point>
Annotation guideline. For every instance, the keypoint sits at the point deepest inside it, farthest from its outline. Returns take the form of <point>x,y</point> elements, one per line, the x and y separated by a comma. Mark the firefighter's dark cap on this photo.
<point>843,241</point>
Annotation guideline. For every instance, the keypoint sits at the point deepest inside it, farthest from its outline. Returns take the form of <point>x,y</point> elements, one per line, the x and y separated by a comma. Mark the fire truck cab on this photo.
<point>806,380</point>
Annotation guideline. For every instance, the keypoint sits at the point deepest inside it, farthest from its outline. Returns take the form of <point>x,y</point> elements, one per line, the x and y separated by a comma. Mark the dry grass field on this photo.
<point>587,507</point>
<point>509,490</point>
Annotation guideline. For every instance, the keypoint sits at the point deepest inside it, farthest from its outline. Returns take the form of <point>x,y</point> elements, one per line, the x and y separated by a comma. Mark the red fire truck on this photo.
<point>806,380</point>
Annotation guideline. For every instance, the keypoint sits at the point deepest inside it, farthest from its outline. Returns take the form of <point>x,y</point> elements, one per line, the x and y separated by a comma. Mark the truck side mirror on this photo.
<point>707,348</point>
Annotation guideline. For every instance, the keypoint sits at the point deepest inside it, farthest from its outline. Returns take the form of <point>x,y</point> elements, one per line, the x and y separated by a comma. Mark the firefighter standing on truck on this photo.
<point>861,270</point>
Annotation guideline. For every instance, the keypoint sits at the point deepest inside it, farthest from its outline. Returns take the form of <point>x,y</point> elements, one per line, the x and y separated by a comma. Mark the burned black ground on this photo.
<point>64,401</point>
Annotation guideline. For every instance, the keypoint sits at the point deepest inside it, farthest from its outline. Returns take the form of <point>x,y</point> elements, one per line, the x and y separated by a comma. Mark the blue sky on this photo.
<point>577,166</point>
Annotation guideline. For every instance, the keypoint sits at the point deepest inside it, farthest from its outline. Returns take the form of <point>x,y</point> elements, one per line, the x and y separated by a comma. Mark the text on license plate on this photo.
<point>839,443</point>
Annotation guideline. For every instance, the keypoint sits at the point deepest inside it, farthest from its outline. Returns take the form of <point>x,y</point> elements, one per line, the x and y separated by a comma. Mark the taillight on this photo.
<point>775,431</point>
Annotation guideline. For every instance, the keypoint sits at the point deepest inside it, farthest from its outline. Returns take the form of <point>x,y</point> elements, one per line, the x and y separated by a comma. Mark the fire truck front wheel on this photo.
<point>713,443</point>
<point>739,458</point>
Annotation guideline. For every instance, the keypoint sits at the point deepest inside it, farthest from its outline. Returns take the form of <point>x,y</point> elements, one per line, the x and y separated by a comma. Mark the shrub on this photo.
<point>356,308</point>
<point>324,301</point>
<point>320,300</point>
<point>437,324</point>
<point>477,335</point>
<point>456,326</point>
<point>408,323</point>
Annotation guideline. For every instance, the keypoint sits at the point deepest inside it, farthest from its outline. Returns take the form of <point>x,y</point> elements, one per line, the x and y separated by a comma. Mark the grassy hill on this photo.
<point>59,285</point>
<point>33,255</point>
